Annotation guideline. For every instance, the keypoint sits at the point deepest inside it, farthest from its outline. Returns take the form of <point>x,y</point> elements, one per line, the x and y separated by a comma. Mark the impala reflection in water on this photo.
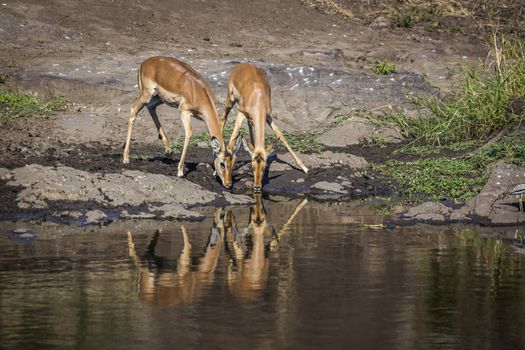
<point>165,282</point>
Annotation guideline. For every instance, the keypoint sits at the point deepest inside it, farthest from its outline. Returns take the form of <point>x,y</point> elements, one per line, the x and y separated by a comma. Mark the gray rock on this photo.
<point>5,174</point>
<point>329,187</point>
<point>237,198</point>
<point>95,216</point>
<point>355,131</point>
<point>427,208</point>
<point>135,188</point>
<point>325,159</point>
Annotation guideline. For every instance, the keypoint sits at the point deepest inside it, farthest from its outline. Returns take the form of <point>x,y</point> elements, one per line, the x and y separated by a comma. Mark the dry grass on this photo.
<point>329,7</point>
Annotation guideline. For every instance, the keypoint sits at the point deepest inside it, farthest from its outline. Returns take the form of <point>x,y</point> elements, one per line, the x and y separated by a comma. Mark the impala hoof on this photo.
<point>305,169</point>
<point>180,174</point>
<point>125,161</point>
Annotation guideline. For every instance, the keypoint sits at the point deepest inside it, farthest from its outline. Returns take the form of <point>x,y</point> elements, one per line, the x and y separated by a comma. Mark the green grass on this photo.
<point>304,143</point>
<point>15,105</point>
<point>383,67</point>
<point>481,107</point>
<point>3,78</point>
<point>435,149</point>
<point>451,178</point>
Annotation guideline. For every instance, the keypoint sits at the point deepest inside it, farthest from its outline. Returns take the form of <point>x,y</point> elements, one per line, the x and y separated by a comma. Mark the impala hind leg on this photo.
<point>186,122</point>
<point>139,103</point>
<point>152,109</point>
<point>281,138</point>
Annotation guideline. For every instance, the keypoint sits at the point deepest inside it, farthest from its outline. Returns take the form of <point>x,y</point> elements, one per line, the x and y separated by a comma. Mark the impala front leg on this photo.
<point>135,109</point>
<point>236,131</point>
<point>281,138</point>
<point>186,122</point>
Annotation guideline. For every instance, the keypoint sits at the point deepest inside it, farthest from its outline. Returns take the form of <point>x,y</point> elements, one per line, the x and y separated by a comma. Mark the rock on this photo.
<point>329,187</point>
<point>323,160</point>
<point>172,211</point>
<point>430,217</point>
<point>237,198</point>
<point>460,215</point>
<point>355,131</point>
<point>380,22</point>
<point>95,216</point>
<point>5,174</point>
<point>133,188</point>
<point>428,208</point>
<point>501,181</point>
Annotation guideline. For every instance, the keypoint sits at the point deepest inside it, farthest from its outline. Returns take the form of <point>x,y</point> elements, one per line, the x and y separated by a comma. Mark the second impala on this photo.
<point>249,87</point>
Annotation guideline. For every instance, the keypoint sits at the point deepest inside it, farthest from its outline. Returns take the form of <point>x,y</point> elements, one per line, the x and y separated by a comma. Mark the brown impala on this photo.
<point>168,80</point>
<point>249,87</point>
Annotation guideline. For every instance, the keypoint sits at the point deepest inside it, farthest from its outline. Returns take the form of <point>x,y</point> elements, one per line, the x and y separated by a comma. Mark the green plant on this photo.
<point>3,78</point>
<point>480,108</point>
<point>452,178</point>
<point>378,141</point>
<point>15,105</point>
<point>403,18</point>
<point>383,67</point>
<point>432,26</point>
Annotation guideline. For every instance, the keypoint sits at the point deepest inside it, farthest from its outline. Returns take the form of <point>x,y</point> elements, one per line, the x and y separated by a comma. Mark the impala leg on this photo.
<point>184,262</point>
<point>281,138</point>
<point>230,102</point>
<point>236,131</point>
<point>152,109</point>
<point>186,122</point>
<point>135,109</point>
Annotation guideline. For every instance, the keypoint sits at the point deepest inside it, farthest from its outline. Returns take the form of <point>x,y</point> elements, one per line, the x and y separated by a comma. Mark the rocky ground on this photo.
<point>68,166</point>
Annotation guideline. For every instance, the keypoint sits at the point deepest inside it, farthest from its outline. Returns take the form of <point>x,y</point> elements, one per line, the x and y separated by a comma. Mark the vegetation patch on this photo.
<point>489,99</point>
<point>383,67</point>
<point>15,105</point>
<point>3,78</point>
<point>451,178</point>
<point>329,7</point>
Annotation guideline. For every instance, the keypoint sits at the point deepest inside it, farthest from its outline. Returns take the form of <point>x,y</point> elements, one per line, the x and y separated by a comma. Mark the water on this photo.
<point>304,275</point>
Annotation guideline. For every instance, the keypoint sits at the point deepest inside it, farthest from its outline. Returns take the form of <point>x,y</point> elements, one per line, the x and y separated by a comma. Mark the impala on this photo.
<point>168,80</point>
<point>248,86</point>
<point>159,282</point>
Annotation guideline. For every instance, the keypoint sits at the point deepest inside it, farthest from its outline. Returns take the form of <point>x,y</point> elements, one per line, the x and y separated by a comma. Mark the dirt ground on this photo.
<point>44,44</point>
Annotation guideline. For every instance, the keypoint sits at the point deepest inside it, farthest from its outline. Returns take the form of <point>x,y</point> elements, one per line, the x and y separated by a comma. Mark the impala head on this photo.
<point>224,161</point>
<point>259,158</point>
<point>257,212</point>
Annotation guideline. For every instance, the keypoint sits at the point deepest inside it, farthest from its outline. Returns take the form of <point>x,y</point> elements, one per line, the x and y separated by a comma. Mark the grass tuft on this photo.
<point>383,67</point>
<point>482,106</point>
<point>329,7</point>
<point>16,105</point>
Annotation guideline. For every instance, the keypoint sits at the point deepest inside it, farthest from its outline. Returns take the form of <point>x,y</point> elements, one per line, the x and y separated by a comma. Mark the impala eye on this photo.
<point>222,164</point>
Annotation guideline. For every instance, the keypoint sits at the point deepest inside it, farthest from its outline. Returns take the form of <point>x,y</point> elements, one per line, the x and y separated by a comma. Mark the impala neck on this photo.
<point>211,119</point>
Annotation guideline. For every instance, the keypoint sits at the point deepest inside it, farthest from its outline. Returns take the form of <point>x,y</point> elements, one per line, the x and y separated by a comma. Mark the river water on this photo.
<point>278,274</point>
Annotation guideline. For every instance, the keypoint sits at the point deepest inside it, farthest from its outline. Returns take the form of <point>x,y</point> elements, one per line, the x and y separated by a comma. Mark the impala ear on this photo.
<point>271,148</point>
<point>238,145</point>
<point>215,146</point>
<point>248,147</point>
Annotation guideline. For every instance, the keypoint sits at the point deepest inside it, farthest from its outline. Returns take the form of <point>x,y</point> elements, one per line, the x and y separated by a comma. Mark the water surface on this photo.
<point>300,275</point>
